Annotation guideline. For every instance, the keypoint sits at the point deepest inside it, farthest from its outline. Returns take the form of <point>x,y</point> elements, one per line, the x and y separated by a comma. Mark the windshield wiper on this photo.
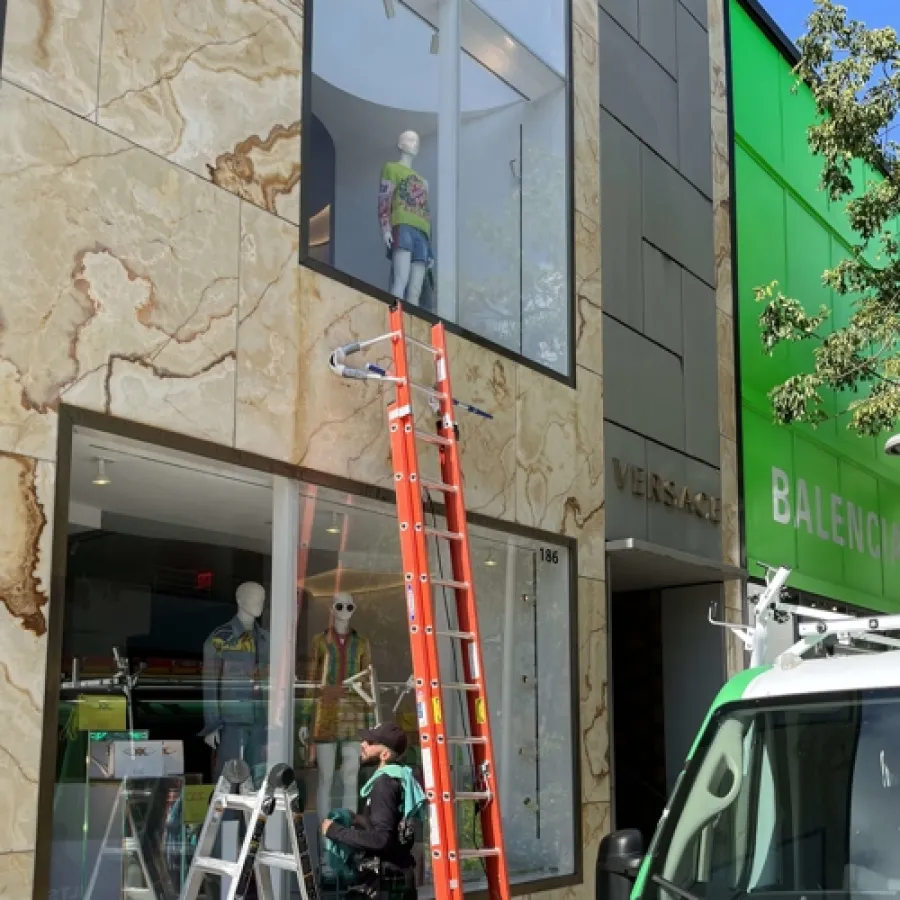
<point>673,888</point>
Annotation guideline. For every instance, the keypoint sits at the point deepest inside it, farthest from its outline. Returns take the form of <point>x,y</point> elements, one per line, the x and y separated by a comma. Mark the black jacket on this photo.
<point>375,831</point>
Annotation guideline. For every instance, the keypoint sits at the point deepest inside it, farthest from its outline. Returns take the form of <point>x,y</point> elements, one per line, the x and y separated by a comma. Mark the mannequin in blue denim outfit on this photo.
<point>235,665</point>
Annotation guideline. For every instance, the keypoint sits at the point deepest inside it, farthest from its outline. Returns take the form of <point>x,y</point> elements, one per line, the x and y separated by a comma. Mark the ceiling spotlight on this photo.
<point>101,477</point>
<point>333,528</point>
<point>490,561</point>
<point>435,44</point>
<point>892,445</point>
<point>389,10</point>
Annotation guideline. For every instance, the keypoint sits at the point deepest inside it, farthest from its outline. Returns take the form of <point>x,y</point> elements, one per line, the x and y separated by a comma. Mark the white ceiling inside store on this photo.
<point>152,485</point>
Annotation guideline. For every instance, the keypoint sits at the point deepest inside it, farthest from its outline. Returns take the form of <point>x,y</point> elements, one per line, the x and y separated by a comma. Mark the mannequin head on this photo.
<point>408,143</point>
<point>251,598</point>
<point>342,608</point>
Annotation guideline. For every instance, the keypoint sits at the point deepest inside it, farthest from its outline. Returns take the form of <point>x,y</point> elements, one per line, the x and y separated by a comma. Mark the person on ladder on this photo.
<point>379,841</point>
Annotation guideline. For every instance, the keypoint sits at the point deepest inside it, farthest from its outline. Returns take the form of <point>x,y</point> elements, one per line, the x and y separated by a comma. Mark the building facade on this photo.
<point>670,450</point>
<point>823,501</point>
<point>203,199</point>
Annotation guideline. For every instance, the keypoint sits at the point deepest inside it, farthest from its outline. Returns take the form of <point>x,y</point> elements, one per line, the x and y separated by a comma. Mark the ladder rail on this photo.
<point>467,621</point>
<point>417,590</point>
<point>419,594</point>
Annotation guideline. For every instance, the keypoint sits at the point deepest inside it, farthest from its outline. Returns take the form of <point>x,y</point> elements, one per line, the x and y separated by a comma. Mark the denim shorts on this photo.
<point>408,237</point>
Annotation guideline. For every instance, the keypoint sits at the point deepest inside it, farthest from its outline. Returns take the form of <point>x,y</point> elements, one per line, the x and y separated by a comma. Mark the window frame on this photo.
<point>363,287</point>
<point>71,418</point>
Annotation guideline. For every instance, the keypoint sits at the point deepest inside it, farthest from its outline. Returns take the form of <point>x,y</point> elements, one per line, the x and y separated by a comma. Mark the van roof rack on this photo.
<point>773,606</point>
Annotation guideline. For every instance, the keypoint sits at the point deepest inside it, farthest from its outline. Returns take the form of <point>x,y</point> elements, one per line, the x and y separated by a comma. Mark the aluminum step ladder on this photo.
<point>436,744</point>
<point>279,793</point>
<point>141,875</point>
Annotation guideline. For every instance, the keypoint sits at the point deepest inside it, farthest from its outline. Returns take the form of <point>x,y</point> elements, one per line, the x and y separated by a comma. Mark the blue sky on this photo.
<point>791,14</point>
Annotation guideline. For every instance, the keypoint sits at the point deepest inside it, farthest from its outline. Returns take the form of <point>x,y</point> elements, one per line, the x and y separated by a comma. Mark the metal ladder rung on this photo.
<point>479,853</point>
<point>428,438</point>
<point>467,740</point>
<point>453,585</point>
<point>461,686</point>
<point>438,395</point>
<point>277,860</point>
<point>421,344</point>
<point>473,795</point>
<point>446,535</point>
<point>458,635</point>
<point>439,486</point>
<point>215,866</point>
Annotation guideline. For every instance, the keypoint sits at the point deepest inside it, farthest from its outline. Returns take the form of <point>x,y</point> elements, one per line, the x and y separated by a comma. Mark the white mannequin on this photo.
<point>325,754</point>
<point>407,276</point>
<point>251,599</point>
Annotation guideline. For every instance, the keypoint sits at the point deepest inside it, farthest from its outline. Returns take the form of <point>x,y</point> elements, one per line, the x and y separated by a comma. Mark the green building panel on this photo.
<point>821,500</point>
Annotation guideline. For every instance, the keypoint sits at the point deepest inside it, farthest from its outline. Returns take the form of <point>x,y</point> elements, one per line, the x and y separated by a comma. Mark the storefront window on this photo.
<point>380,191</point>
<point>255,617</point>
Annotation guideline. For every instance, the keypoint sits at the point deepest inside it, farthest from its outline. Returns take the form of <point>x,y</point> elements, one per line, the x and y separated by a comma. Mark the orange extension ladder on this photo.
<point>447,857</point>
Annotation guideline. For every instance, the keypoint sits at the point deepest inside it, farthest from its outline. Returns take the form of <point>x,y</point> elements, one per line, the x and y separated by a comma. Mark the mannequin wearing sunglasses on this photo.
<point>339,714</point>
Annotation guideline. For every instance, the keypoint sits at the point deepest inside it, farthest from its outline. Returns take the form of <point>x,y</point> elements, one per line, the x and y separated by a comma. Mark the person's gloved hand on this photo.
<point>388,239</point>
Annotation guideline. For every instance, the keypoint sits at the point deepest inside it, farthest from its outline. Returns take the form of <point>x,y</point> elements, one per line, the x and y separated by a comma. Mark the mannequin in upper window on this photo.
<point>405,221</point>
<point>235,663</point>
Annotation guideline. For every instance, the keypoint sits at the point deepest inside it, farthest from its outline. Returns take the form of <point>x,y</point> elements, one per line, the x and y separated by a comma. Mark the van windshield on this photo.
<point>796,798</point>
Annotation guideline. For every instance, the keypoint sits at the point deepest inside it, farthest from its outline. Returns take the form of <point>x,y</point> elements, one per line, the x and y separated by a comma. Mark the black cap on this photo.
<point>388,735</point>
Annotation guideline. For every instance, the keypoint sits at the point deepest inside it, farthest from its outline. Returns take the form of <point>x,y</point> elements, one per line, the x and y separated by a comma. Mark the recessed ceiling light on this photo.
<point>101,478</point>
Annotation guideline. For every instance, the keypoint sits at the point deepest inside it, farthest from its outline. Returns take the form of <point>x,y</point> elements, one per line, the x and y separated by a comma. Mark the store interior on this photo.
<point>170,588</point>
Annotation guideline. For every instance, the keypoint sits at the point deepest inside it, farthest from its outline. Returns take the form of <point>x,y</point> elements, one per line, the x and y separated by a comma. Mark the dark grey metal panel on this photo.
<point>697,8</point>
<point>677,217</point>
<point>694,116</point>
<point>625,12</point>
<point>701,391</point>
<point>662,299</point>
<point>626,514</point>
<point>642,385</point>
<point>637,90</point>
<point>620,219</point>
<point>656,22</point>
<point>674,527</point>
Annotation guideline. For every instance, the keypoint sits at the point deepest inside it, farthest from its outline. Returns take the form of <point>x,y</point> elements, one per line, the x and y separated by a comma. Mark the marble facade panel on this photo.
<point>269,326</point>
<point>16,875</point>
<point>586,505</point>
<point>727,369</point>
<point>546,459</point>
<point>26,525</point>
<point>731,535</point>
<point>341,423</point>
<point>121,282</point>
<point>588,309</point>
<point>487,447</point>
<point>593,667</point>
<point>727,375</point>
<point>52,48</point>
<point>214,87</point>
<point>586,124</point>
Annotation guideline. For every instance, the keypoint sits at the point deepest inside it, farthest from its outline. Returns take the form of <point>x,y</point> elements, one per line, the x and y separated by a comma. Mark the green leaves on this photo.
<point>854,75</point>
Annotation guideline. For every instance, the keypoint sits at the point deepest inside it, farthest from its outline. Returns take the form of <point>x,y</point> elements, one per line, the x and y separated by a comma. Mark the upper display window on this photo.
<point>478,236</point>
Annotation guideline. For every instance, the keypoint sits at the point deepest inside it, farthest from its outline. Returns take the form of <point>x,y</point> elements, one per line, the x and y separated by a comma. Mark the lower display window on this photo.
<point>206,620</point>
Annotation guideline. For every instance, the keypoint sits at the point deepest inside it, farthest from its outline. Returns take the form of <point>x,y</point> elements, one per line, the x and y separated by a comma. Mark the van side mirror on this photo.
<point>618,861</point>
